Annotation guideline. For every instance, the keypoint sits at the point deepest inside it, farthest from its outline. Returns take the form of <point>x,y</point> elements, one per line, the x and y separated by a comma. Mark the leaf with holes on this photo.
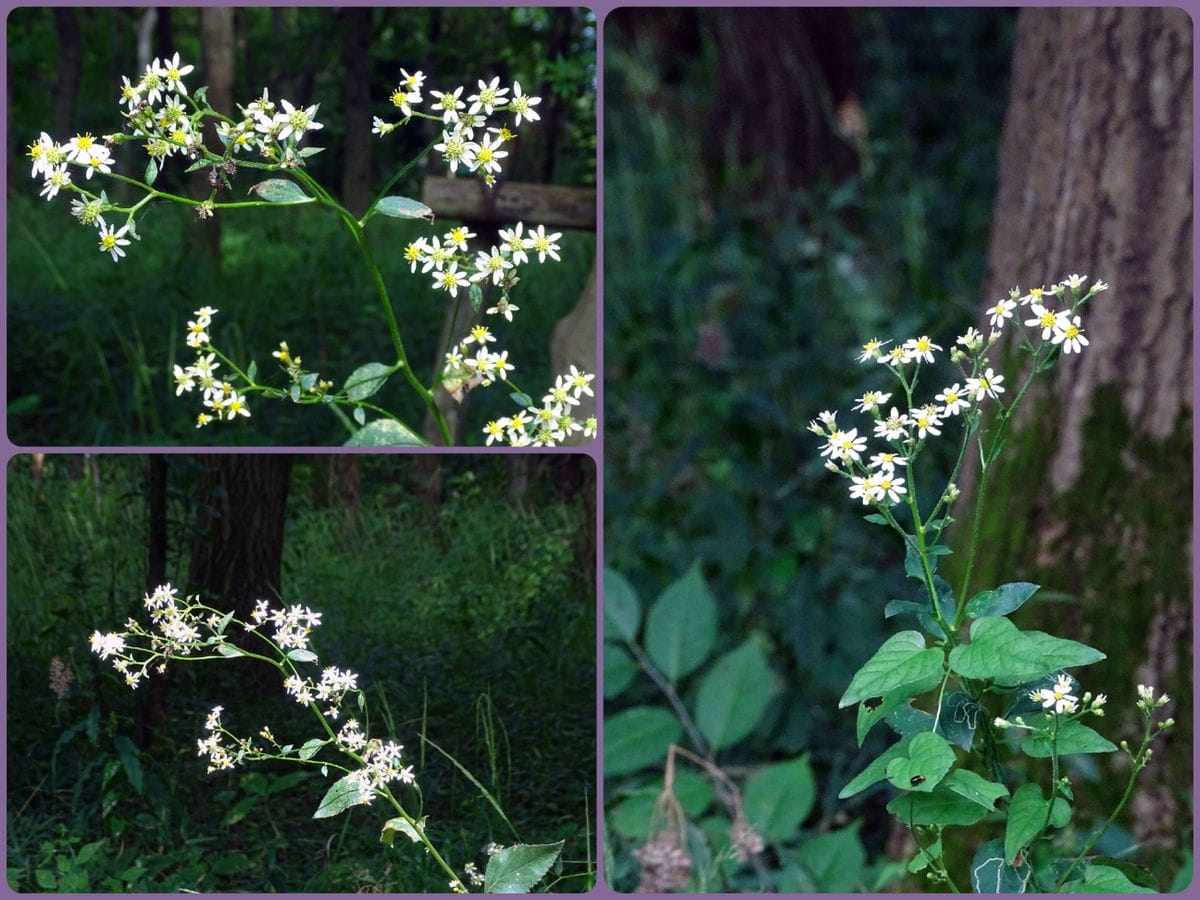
<point>902,663</point>
<point>280,190</point>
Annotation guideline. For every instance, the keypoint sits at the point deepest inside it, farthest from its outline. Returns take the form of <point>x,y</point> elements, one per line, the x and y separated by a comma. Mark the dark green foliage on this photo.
<point>470,622</point>
<point>730,325</point>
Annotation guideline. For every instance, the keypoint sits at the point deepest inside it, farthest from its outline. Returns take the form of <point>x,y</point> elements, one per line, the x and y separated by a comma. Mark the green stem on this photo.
<point>387,187</point>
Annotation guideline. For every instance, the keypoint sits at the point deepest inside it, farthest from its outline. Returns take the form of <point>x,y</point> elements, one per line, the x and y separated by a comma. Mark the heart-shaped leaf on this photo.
<point>924,765</point>
<point>1072,737</point>
<point>877,770</point>
<point>902,663</point>
<point>991,874</point>
<point>975,788</point>
<point>1001,652</point>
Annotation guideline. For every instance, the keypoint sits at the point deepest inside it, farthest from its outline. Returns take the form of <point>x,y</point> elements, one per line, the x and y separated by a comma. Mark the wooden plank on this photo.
<point>471,200</point>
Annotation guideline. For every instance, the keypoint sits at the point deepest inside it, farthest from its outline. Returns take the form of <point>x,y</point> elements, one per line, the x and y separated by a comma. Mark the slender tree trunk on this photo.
<point>356,107</point>
<point>68,66</point>
<point>1093,493</point>
<point>216,31</point>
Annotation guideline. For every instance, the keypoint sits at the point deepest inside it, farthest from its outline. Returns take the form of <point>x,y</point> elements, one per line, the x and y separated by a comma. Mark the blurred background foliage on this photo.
<point>92,343</point>
<point>469,618</point>
<point>739,284</point>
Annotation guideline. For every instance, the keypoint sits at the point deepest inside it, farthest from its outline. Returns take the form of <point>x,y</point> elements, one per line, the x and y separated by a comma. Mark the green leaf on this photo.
<point>902,663</point>
<point>1105,879</point>
<point>1073,737</point>
<point>229,651</point>
<point>360,415</point>
<point>975,788</point>
<point>238,811</point>
<point>366,380</point>
<point>309,380</point>
<point>912,558</point>
<point>990,874</point>
<point>127,751</point>
<point>285,782</point>
<point>923,765</point>
<point>920,862</point>
<point>681,628</point>
<point>1139,875</point>
<point>516,869</point>
<point>942,807</point>
<point>921,609</point>
<point>309,749</point>
<point>1000,602</point>
<point>280,190</point>
<point>1027,815</point>
<point>385,433</point>
<point>622,608</point>
<point>959,719</point>
<point>302,655</point>
<point>909,720</point>
<point>638,737</point>
<point>475,293</point>
<point>1001,652</point>
<point>777,798</point>
<point>873,710</point>
<point>252,371</point>
<point>403,208</point>
<point>619,670</point>
<point>310,151</point>
<point>835,860</point>
<point>393,827</point>
<point>294,393</point>
<point>151,171</point>
<point>876,519</point>
<point>734,694</point>
<point>877,770</point>
<point>520,398</point>
<point>342,794</point>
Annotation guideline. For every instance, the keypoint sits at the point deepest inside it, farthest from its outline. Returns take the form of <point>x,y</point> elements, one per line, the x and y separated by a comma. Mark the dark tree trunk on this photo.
<point>356,107</point>
<point>238,549</point>
<point>1094,493</point>
<point>152,710</point>
<point>783,82</point>
<point>68,65</point>
<point>344,482</point>
<point>216,31</point>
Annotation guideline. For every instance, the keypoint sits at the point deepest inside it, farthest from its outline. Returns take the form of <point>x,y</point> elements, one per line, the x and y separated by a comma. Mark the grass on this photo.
<point>476,638</point>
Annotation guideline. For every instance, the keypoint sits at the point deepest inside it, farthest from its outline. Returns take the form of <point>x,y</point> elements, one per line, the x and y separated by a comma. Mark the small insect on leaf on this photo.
<point>872,703</point>
<point>916,779</point>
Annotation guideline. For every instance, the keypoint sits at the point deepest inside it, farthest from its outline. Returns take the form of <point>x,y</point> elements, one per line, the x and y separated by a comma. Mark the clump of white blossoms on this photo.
<point>474,128</point>
<point>903,425</point>
<point>188,629</point>
<point>167,119</point>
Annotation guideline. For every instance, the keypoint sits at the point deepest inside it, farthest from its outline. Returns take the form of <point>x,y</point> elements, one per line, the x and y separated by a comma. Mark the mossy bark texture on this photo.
<point>1093,495</point>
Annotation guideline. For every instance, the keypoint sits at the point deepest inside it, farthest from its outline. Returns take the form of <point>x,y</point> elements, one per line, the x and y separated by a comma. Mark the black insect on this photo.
<point>873,703</point>
<point>916,779</point>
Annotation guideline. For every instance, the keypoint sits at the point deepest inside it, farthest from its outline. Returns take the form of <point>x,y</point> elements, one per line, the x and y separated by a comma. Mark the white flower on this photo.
<point>1045,319</point>
<point>522,104</point>
<point>455,149</point>
<point>871,350</point>
<point>887,462</point>
<point>107,644</point>
<point>894,427</point>
<point>449,104</point>
<point>296,121</point>
<point>112,241</point>
<point>173,73</point>
<point>863,489</point>
<point>971,339</point>
<point>380,127</point>
<point>56,179</point>
<point>953,399</point>
<point>986,385</point>
<point>488,97</point>
<point>921,348</point>
<point>450,279</point>
<point>1070,335</point>
<point>926,421</point>
<point>487,155</point>
<point>1001,311</point>
<point>543,245</point>
<point>871,401</point>
<point>890,487</point>
<point>581,382</point>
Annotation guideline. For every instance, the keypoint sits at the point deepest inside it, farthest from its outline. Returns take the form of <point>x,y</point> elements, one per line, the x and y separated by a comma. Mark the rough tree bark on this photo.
<point>1094,496</point>
<point>216,31</point>
<point>69,65</point>
<point>238,549</point>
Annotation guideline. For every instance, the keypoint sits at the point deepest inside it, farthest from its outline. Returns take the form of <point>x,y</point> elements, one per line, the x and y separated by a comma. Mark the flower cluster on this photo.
<point>383,762</point>
<point>553,421</point>
<point>905,427</point>
<point>220,398</point>
<point>467,138</point>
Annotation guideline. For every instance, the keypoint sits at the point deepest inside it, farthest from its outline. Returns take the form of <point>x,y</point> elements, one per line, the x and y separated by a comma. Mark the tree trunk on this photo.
<point>70,60</point>
<point>1092,495</point>
<point>238,549</point>
<point>785,90</point>
<point>356,107</point>
<point>216,31</point>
